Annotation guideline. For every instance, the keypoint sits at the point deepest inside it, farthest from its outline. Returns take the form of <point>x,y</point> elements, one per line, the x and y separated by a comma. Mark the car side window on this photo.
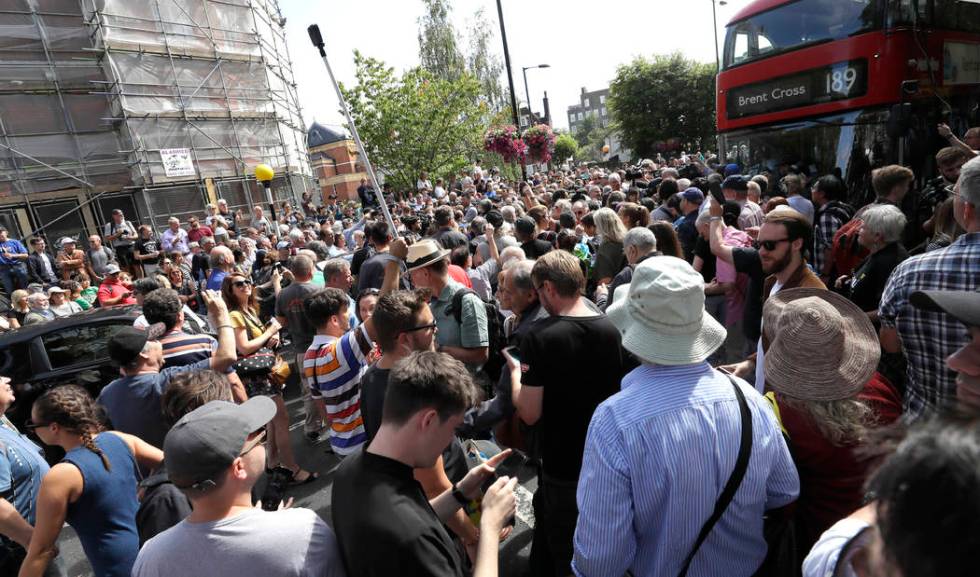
<point>79,345</point>
<point>15,363</point>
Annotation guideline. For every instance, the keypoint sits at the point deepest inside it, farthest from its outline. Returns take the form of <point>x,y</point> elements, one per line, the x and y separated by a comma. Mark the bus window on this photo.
<point>956,15</point>
<point>795,25</point>
<point>741,47</point>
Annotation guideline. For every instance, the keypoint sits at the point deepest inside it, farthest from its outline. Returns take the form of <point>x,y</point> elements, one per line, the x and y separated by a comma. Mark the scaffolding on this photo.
<point>91,92</point>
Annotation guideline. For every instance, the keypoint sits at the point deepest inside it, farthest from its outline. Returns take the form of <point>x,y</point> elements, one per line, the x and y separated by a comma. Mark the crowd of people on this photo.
<point>710,373</point>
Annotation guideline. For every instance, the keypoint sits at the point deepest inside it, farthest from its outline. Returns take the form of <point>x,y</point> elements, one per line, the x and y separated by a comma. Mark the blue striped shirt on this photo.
<point>657,457</point>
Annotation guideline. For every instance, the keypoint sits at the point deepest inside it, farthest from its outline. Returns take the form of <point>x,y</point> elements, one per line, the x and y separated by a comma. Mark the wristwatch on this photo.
<point>459,496</point>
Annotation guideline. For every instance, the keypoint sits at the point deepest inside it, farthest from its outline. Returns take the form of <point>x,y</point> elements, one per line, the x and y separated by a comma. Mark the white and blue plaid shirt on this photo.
<point>929,337</point>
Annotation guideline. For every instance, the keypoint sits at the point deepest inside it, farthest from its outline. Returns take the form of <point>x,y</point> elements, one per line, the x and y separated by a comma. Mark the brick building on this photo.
<point>334,160</point>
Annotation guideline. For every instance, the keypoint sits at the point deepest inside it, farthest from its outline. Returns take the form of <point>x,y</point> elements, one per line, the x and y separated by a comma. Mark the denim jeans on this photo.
<point>13,277</point>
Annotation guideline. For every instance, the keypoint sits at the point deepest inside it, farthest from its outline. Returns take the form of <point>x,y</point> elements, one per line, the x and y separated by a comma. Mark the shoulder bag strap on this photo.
<point>734,480</point>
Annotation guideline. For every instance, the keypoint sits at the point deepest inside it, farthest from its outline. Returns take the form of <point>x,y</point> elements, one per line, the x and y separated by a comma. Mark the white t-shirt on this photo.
<point>760,357</point>
<point>287,543</point>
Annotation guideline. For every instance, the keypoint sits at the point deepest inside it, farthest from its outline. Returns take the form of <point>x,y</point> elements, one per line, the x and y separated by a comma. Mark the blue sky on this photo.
<point>583,41</point>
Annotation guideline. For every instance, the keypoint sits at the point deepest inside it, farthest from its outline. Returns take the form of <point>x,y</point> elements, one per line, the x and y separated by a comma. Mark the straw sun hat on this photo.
<point>822,346</point>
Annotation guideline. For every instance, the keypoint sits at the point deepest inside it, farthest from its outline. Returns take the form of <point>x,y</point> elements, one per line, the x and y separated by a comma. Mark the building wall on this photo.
<point>337,168</point>
<point>589,104</point>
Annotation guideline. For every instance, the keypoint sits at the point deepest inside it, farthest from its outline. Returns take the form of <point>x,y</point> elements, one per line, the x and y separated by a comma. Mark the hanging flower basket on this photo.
<point>540,141</point>
<point>504,141</point>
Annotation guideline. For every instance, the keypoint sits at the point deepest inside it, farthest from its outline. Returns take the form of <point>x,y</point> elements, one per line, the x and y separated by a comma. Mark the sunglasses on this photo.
<point>31,425</point>
<point>770,245</point>
<point>241,283</point>
<point>420,328</point>
<point>258,440</point>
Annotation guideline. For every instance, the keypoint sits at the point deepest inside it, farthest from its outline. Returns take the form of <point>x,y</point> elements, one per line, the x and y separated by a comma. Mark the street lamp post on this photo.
<point>527,93</point>
<point>510,79</point>
<point>714,21</point>
<point>714,32</point>
<point>265,174</point>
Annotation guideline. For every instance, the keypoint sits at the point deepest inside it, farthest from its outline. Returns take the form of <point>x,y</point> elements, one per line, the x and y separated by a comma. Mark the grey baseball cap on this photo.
<point>206,441</point>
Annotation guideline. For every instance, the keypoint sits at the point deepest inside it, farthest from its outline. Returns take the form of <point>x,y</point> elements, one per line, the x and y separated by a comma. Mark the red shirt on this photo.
<point>196,234</point>
<point>831,477</point>
<point>111,290</point>
<point>459,275</point>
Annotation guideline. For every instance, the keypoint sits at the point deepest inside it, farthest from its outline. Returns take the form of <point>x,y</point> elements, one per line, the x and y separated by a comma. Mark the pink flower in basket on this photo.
<point>504,141</point>
<point>540,141</point>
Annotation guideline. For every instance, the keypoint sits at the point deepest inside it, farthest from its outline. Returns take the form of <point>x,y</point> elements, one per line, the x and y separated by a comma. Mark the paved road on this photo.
<point>316,496</point>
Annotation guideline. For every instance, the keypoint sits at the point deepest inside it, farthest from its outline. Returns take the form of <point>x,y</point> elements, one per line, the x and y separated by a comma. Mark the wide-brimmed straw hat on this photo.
<point>423,253</point>
<point>822,346</point>
<point>661,315</point>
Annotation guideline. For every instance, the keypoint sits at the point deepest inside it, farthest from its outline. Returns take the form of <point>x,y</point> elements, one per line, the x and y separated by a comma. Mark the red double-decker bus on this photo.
<point>847,84</point>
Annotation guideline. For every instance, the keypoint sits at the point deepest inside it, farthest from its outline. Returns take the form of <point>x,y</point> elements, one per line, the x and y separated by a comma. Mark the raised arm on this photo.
<point>716,234</point>
<point>226,355</point>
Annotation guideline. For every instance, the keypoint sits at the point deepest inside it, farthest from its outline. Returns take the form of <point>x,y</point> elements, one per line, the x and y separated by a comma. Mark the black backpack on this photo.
<point>495,329</point>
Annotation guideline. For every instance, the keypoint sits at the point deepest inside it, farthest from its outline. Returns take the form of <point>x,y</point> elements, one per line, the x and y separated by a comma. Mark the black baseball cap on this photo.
<point>524,225</point>
<point>964,306</point>
<point>207,440</point>
<point>735,182</point>
<point>128,343</point>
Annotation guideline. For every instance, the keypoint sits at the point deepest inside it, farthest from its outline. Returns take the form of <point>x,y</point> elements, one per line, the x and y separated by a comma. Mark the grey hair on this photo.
<point>31,298</point>
<point>642,238</point>
<point>564,205</point>
<point>510,253</point>
<point>220,255</point>
<point>969,182</point>
<point>608,225</point>
<point>295,234</point>
<point>333,267</point>
<point>509,214</point>
<point>885,220</point>
<point>670,173</point>
<point>519,272</point>
<point>703,218</point>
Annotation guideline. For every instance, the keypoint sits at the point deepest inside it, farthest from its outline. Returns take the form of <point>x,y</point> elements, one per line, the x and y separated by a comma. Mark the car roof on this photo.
<point>127,313</point>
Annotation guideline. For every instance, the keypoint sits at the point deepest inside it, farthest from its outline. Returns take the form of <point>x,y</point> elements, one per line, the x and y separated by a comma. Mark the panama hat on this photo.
<point>423,253</point>
<point>661,315</point>
<point>822,346</point>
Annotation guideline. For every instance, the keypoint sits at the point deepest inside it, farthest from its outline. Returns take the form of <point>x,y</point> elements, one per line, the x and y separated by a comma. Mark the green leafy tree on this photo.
<point>417,121</point>
<point>653,100</point>
<point>484,63</point>
<point>591,136</point>
<point>565,147</point>
<point>438,44</point>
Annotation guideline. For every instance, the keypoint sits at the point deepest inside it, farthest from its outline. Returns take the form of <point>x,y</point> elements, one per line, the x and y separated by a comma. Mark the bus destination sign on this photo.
<point>815,86</point>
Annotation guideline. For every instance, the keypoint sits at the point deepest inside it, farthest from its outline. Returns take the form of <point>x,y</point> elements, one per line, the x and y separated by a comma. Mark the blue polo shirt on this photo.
<point>12,247</point>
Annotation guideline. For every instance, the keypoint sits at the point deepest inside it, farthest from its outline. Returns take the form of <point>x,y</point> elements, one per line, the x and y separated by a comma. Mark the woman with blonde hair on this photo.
<point>93,488</point>
<point>826,402</point>
<point>610,258</point>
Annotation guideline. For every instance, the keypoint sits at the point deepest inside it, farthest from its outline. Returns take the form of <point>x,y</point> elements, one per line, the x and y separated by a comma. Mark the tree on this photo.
<point>416,122</point>
<point>438,46</point>
<point>667,97</point>
<point>565,147</point>
<point>484,63</point>
<point>591,136</point>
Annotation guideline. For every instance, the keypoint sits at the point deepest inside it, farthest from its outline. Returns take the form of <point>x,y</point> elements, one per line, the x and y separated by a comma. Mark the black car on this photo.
<point>69,350</point>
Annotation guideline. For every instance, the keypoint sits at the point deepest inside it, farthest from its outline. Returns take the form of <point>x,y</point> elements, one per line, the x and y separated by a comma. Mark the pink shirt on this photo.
<point>725,273</point>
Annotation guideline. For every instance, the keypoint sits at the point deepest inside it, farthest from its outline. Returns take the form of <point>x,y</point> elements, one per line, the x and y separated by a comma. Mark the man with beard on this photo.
<point>781,242</point>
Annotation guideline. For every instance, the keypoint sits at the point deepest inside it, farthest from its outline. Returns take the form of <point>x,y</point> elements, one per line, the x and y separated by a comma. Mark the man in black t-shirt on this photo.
<point>385,523</point>
<point>524,229</point>
<point>371,274</point>
<point>369,198</point>
<point>575,354</point>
